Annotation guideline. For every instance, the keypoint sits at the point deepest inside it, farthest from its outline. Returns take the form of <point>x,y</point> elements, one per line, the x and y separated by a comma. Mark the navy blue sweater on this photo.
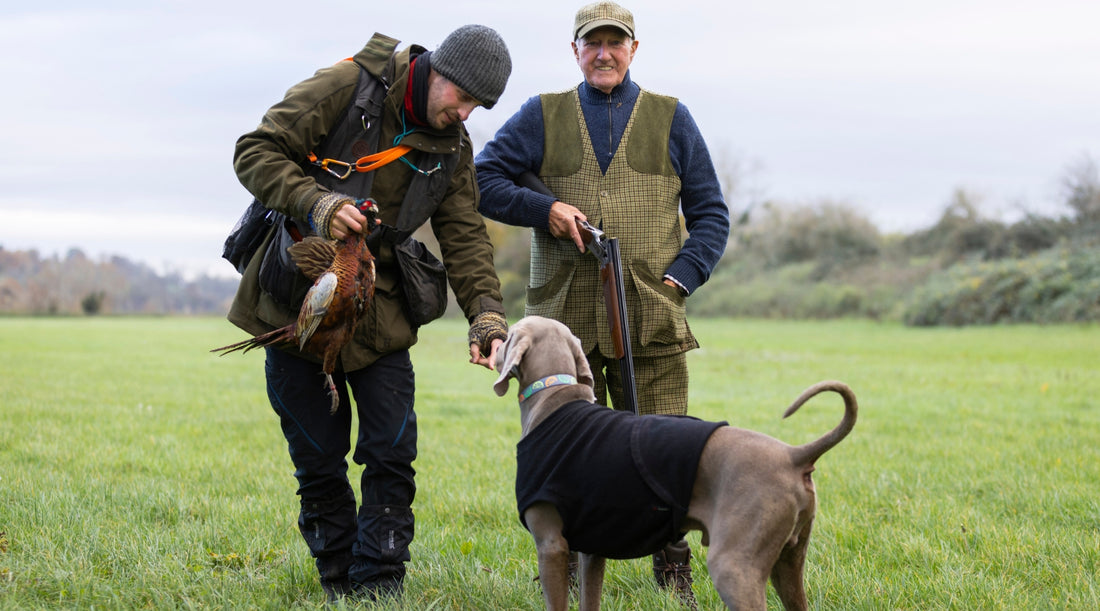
<point>518,146</point>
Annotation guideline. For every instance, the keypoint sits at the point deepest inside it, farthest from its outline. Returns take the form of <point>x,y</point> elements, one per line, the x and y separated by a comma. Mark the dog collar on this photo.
<point>547,382</point>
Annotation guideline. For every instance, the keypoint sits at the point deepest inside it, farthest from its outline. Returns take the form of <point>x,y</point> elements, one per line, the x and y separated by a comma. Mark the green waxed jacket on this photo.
<point>270,163</point>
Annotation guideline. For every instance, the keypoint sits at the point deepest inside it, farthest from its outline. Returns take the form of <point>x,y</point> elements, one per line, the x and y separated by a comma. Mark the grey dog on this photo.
<point>751,495</point>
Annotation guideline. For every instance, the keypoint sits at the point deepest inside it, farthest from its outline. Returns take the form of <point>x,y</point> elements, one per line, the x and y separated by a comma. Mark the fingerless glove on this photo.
<point>320,217</point>
<point>486,327</point>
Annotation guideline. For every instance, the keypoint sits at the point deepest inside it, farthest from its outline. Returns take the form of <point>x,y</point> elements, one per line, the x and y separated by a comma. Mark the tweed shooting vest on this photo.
<point>636,201</point>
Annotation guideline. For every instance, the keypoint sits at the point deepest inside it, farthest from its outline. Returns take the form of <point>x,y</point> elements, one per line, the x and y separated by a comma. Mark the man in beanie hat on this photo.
<point>626,160</point>
<point>474,58</point>
<point>302,162</point>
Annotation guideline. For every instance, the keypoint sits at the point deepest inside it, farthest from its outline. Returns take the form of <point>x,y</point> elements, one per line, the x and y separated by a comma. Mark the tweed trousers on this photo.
<point>661,383</point>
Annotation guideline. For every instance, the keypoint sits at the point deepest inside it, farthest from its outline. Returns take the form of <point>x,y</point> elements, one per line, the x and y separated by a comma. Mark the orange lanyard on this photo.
<point>363,164</point>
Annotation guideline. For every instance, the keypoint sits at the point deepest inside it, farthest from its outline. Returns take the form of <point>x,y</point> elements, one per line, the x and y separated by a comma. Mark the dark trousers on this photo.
<point>353,549</point>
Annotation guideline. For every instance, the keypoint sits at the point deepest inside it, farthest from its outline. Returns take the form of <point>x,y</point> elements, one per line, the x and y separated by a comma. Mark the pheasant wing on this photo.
<point>315,306</point>
<point>313,255</point>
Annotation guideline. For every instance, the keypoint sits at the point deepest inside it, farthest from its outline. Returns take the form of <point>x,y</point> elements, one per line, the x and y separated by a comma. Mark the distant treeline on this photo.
<point>76,284</point>
<point>820,260</point>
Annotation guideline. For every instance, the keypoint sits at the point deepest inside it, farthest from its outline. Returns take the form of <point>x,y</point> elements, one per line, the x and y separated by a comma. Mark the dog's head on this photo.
<point>537,347</point>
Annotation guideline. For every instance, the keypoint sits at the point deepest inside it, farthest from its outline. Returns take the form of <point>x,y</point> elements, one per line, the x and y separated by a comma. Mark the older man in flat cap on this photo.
<point>627,160</point>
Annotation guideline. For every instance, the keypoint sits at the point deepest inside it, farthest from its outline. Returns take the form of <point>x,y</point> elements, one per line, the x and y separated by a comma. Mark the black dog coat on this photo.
<point>620,482</point>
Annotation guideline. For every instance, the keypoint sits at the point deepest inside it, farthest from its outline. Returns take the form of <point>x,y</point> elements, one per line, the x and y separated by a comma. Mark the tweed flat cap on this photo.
<point>602,14</point>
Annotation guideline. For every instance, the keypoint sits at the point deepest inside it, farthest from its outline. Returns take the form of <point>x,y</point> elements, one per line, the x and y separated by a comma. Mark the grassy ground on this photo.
<point>139,471</point>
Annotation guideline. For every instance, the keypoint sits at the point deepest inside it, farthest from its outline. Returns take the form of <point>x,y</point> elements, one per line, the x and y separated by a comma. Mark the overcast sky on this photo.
<point>119,118</point>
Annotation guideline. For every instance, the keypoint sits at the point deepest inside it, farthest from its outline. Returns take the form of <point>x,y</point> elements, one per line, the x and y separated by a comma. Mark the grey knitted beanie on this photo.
<point>475,58</point>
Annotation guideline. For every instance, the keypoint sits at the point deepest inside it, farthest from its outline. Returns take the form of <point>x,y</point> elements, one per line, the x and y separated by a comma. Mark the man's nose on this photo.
<point>464,111</point>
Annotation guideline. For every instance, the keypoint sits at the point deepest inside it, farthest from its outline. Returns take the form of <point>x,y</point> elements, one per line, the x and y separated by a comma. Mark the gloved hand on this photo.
<point>320,217</point>
<point>486,327</point>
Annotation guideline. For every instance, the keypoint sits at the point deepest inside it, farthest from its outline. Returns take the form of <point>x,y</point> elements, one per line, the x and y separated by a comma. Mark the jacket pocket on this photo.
<point>387,328</point>
<point>661,316</point>
<point>549,299</point>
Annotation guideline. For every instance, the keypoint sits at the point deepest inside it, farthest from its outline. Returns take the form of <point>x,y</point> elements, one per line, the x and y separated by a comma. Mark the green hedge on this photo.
<point>1055,286</point>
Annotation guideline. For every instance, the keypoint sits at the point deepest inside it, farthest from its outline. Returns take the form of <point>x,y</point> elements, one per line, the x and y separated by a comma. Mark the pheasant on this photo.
<point>343,274</point>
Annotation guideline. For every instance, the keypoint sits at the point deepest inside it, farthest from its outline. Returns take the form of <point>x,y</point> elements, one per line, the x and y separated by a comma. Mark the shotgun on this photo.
<point>606,251</point>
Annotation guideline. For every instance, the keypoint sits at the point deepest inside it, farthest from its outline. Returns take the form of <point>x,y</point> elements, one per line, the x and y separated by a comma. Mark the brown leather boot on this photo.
<point>672,570</point>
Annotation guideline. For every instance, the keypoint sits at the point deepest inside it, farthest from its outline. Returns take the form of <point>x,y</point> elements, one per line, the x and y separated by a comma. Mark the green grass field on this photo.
<point>139,471</point>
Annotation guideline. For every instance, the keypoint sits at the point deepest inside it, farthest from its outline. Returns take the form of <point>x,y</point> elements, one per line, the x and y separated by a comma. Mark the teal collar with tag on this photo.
<point>547,382</point>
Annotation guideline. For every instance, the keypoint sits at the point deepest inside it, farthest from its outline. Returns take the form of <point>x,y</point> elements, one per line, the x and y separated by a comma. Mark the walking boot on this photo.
<point>334,575</point>
<point>381,551</point>
<point>387,588</point>
<point>336,589</point>
<point>672,570</point>
<point>328,527</point>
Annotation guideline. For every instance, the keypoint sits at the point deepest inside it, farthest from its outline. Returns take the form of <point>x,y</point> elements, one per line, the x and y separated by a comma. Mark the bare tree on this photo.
<point>740,181</point>
<point>1081,188</point>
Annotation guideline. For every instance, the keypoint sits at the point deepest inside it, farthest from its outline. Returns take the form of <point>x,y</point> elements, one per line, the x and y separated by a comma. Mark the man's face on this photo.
<point>447,103</point>
<point>604,55</point>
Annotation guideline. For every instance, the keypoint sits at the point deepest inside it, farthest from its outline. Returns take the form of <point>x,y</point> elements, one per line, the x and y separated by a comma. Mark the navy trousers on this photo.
<point>368,548</point>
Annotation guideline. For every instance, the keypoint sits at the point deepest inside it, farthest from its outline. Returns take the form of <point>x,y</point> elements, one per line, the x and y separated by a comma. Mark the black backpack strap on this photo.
<point>359,128</point>
<point>369,101</point>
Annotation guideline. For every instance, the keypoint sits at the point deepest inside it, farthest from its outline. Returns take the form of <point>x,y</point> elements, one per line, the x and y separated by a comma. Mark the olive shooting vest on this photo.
<point>636,201</point>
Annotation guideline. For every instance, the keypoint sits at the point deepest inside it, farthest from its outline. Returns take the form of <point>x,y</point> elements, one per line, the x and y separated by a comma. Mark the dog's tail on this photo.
<point>809,453</point>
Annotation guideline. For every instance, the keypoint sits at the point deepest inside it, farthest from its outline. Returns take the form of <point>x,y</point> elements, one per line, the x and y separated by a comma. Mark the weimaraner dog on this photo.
<point>750,495</point>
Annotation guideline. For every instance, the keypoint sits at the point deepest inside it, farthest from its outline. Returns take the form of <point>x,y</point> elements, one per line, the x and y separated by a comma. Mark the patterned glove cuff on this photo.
<point>320,217</point>
<point>486,327</point>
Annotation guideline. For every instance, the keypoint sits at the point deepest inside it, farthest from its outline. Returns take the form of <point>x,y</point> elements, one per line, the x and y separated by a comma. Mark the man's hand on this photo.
<point>348,219</point>
<point>488,331</point>
<point>563,223</point>
<point>485,361</point>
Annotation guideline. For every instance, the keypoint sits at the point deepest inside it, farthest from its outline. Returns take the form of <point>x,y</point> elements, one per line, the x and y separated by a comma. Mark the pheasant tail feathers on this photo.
<point>271,338</point>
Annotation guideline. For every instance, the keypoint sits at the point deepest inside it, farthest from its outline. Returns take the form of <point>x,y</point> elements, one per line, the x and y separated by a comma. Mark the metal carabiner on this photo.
<point>348,168</point>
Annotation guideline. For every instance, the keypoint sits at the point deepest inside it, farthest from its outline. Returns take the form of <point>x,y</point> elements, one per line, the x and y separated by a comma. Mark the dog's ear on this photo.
<point>584,372</point>
<point>509,356</point>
